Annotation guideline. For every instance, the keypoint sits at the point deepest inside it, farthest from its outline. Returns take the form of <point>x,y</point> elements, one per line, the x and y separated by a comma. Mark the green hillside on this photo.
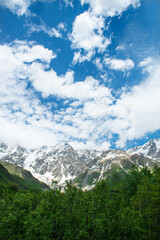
<point>15,177</point>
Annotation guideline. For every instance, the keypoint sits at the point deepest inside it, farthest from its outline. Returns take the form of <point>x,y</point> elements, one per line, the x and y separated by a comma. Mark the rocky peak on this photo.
<point>149,149</point>
<point>3,147</point>
<point>18,149</point>
<point>62,162</point>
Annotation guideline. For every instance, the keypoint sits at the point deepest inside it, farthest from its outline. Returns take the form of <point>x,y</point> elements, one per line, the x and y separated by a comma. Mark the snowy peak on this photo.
<point>3,147</point>
<point>15,154</point>
<point>84,167</point>
<point>150,149</point>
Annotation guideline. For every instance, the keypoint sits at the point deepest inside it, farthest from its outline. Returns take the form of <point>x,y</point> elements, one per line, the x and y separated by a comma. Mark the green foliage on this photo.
<point>121,207</point>
<point>92,177</point>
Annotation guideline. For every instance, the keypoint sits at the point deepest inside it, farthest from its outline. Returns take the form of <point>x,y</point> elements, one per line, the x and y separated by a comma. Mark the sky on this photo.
<point>83,72</point>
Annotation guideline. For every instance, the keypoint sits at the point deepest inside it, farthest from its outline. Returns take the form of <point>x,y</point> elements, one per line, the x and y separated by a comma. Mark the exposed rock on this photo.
<point>84,167</point>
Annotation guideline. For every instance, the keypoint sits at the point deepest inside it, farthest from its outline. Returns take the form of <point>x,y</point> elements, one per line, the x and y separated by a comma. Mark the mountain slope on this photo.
<point>83,167</point>
<point>99,169</point>
<point>11,173</point>
<point>5,177</point>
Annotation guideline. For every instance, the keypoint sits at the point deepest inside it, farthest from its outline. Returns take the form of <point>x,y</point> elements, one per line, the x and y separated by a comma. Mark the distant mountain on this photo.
<point>14,176</point>
<point>83,167</point>
<point>150,149</point>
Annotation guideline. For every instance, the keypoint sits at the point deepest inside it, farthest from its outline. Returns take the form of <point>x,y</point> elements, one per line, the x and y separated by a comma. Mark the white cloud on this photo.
<point>146,62</point>
<point>99,64</point>
<point>100,7</point>
<point>120,48</point>
<point>40,26</point>
<point>108,7</point>
<point>69,3</point>
<point>29,52</point>
<point>30,135</point>
<point>90,145</point>
<point>119,64</point>
<point>137,111</point>
<point>22,116</point>
<point>79,57</point>
<point>62,26</point>
<point>20,7</point>
<point>87,34</point>
<point>52,32</point>
<point>49,83</point>
<point>25,119</point>
<point>90,117</point>
<point>88,27</point>
<point>17,6</point>
<point>97,108</point>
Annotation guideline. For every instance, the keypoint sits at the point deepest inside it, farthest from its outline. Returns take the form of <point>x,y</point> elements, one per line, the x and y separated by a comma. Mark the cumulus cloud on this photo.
<point>119,64</point>
<point>90,115</point>
<point>48,83</point>
<point>137,112</point>
<point>23,64</point>
<point>20,7</point>
<point>79,57</point>
<point>23,112</point>
<point>88,27</point>
<point>110,8</point>
<point>87,34</point>
<point>16,6</point>
<point>99,64</point>
<point>101,7</point>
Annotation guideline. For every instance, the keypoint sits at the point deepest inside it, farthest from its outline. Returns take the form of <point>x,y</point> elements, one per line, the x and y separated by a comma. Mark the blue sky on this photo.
<point>85,72</point>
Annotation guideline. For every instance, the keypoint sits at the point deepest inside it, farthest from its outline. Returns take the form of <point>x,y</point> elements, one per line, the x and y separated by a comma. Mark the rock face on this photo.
<point>84,167</point>
<point>150,149</point>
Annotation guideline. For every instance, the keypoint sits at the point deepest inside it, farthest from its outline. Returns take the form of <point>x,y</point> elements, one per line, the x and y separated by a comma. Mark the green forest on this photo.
<point>120,207</point>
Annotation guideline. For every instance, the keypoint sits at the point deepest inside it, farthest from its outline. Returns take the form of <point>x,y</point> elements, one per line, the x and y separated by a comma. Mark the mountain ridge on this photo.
<point>84,167</point>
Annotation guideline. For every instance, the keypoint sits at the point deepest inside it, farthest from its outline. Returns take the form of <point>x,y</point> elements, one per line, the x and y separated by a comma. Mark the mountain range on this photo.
<point>84,168</point>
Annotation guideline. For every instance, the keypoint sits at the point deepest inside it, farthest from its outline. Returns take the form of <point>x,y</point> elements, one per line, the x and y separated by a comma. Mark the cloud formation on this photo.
<point>89,116</point>
<point>42,27</point>
<point>20,7</point>
<point>136,111</point>
<point>87,33</point>
<point>88,28</point>
<point>21,62</point>
<point>52,32</point>
<point>16,6</point>
<point>109,8</point>
<point>119,64</point>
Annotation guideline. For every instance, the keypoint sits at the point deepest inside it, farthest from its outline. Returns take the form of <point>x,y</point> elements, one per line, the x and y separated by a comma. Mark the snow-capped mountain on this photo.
<point>84,167</point>
<point>150,149</point>
<point>58,163</point>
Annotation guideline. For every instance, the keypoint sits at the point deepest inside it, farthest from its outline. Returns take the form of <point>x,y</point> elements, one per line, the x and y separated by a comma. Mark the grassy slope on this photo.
<point>11,173</point>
